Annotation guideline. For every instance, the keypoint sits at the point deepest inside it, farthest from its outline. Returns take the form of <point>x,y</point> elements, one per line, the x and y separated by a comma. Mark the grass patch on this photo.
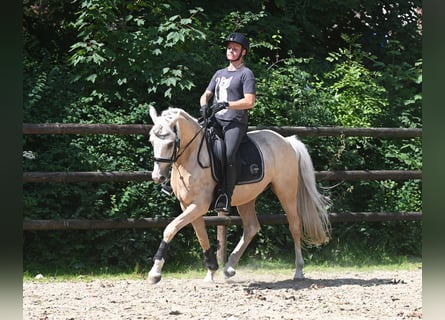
<point>80,275</point>
<point>196,270</point>
<point>265,266</point>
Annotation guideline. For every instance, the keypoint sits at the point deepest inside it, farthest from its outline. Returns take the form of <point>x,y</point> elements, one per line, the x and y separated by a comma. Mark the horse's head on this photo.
<point>165,142</point>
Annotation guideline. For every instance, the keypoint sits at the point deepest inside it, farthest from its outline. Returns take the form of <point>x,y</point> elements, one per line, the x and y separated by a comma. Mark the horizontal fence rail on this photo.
<point>350,132</point>
<point>264,219</point>
<point>79,128</point>
<point>144,129</point>
<point>139,176</point>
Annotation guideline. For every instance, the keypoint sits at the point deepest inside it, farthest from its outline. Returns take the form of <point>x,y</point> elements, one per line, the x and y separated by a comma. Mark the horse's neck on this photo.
<point>187,127</point>
<point>189,174</point>
<point>189,130</point>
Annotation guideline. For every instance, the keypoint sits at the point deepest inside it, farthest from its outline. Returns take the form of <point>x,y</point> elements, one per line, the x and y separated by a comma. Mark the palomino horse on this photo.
<point>176,139</point>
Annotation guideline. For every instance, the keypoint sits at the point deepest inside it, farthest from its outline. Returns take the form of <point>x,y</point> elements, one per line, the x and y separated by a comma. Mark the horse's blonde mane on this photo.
<point>174,113</point>
<point>168,119</point>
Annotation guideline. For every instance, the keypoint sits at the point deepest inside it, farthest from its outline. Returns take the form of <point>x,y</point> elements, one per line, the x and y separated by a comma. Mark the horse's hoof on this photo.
<point>299,277</point>
<point>155,274</point>
<point>229,272</point>
<point>209,276</point>
<point>153,279</point>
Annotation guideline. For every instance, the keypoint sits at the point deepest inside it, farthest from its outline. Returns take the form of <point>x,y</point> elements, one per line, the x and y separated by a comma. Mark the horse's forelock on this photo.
<point>171,113</point>
<point>165,123</point>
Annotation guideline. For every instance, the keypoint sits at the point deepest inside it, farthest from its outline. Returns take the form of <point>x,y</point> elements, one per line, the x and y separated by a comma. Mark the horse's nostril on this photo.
<point>157,178</point>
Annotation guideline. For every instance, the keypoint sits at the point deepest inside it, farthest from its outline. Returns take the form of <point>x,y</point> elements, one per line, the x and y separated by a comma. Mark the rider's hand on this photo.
<point>203,110</point>
<point>220,105</point>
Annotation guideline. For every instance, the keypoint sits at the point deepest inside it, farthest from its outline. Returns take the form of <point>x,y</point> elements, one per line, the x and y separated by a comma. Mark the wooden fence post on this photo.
<point>221,235</point>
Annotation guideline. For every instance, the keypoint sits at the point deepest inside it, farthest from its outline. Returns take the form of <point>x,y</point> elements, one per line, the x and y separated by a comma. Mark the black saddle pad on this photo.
<point>250,162</point>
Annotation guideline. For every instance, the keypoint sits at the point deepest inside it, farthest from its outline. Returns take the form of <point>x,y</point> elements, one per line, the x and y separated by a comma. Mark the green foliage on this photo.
<point>122,48</point>
<point>358,99</point>
<point>290,95</point>
<point>316,65</point>
<point>368,243</point>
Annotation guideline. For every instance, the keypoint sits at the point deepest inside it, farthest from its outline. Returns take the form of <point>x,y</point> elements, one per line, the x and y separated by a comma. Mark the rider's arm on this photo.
<point>245,103</point>
<point>205,98</point>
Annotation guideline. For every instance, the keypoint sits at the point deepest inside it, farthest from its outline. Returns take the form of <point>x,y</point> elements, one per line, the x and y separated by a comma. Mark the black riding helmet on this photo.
<point>238,38</point>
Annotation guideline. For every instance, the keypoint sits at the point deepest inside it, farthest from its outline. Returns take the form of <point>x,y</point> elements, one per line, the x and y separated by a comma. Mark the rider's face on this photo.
<point>234,50</point>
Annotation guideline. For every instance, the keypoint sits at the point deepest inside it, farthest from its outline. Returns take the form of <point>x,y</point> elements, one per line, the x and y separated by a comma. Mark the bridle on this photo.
<point>175,156</point>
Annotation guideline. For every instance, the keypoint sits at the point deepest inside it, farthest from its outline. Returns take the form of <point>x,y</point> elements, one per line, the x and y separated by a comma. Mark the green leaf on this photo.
<point>98,58</point>
<point>91,78</point>
<point>139,22</point>
<point>121,81</point>
<point>168,93</point>
<point>170,81</point>
<point>185,21</point>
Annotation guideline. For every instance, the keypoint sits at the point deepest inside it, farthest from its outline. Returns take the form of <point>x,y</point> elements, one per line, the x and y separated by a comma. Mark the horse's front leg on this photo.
<point>209,256</point>
<point>190,214</point>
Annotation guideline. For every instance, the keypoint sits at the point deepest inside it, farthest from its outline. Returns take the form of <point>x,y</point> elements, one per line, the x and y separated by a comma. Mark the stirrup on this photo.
<point>222,203</point>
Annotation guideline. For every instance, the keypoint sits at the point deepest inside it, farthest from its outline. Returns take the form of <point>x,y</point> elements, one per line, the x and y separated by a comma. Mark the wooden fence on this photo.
<point>139,176</point>
<point>221,221</point>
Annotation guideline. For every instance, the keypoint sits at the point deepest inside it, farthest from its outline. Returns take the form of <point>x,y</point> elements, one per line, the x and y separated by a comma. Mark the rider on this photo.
<point>234,91</point>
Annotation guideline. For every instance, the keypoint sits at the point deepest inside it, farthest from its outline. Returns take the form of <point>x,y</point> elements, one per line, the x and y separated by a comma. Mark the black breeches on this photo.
<point>233,134</point>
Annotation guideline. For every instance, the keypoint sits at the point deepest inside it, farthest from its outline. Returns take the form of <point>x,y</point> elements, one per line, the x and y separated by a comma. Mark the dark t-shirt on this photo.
<point>231,86</point>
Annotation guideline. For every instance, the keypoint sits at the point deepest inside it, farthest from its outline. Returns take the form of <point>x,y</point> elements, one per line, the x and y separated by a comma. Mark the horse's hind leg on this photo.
<point>295,229</point>
<point>251,226</point>
<point>288,200</point>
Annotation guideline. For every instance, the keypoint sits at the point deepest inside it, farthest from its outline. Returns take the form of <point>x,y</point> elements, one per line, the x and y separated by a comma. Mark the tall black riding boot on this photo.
<point>223,201</point>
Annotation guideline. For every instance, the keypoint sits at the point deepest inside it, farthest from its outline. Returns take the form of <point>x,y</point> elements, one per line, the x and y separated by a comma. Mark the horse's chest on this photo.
<point>188,187</point>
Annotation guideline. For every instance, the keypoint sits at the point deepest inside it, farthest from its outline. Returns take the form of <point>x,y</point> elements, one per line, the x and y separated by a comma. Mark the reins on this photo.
<point>190,142</point>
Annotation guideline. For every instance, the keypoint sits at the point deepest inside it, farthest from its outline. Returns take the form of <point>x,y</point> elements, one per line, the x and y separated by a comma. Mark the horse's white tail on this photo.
<point>311,205</point>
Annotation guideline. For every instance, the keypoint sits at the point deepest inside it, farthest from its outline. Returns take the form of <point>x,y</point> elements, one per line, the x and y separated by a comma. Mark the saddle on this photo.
<point>249,159</point>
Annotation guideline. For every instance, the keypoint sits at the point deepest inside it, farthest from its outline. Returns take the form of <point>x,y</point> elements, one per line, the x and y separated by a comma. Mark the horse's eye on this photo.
<point>170,145</point>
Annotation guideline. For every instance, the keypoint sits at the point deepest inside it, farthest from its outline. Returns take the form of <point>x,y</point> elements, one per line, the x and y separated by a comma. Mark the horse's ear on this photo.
<point>153,114</point>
